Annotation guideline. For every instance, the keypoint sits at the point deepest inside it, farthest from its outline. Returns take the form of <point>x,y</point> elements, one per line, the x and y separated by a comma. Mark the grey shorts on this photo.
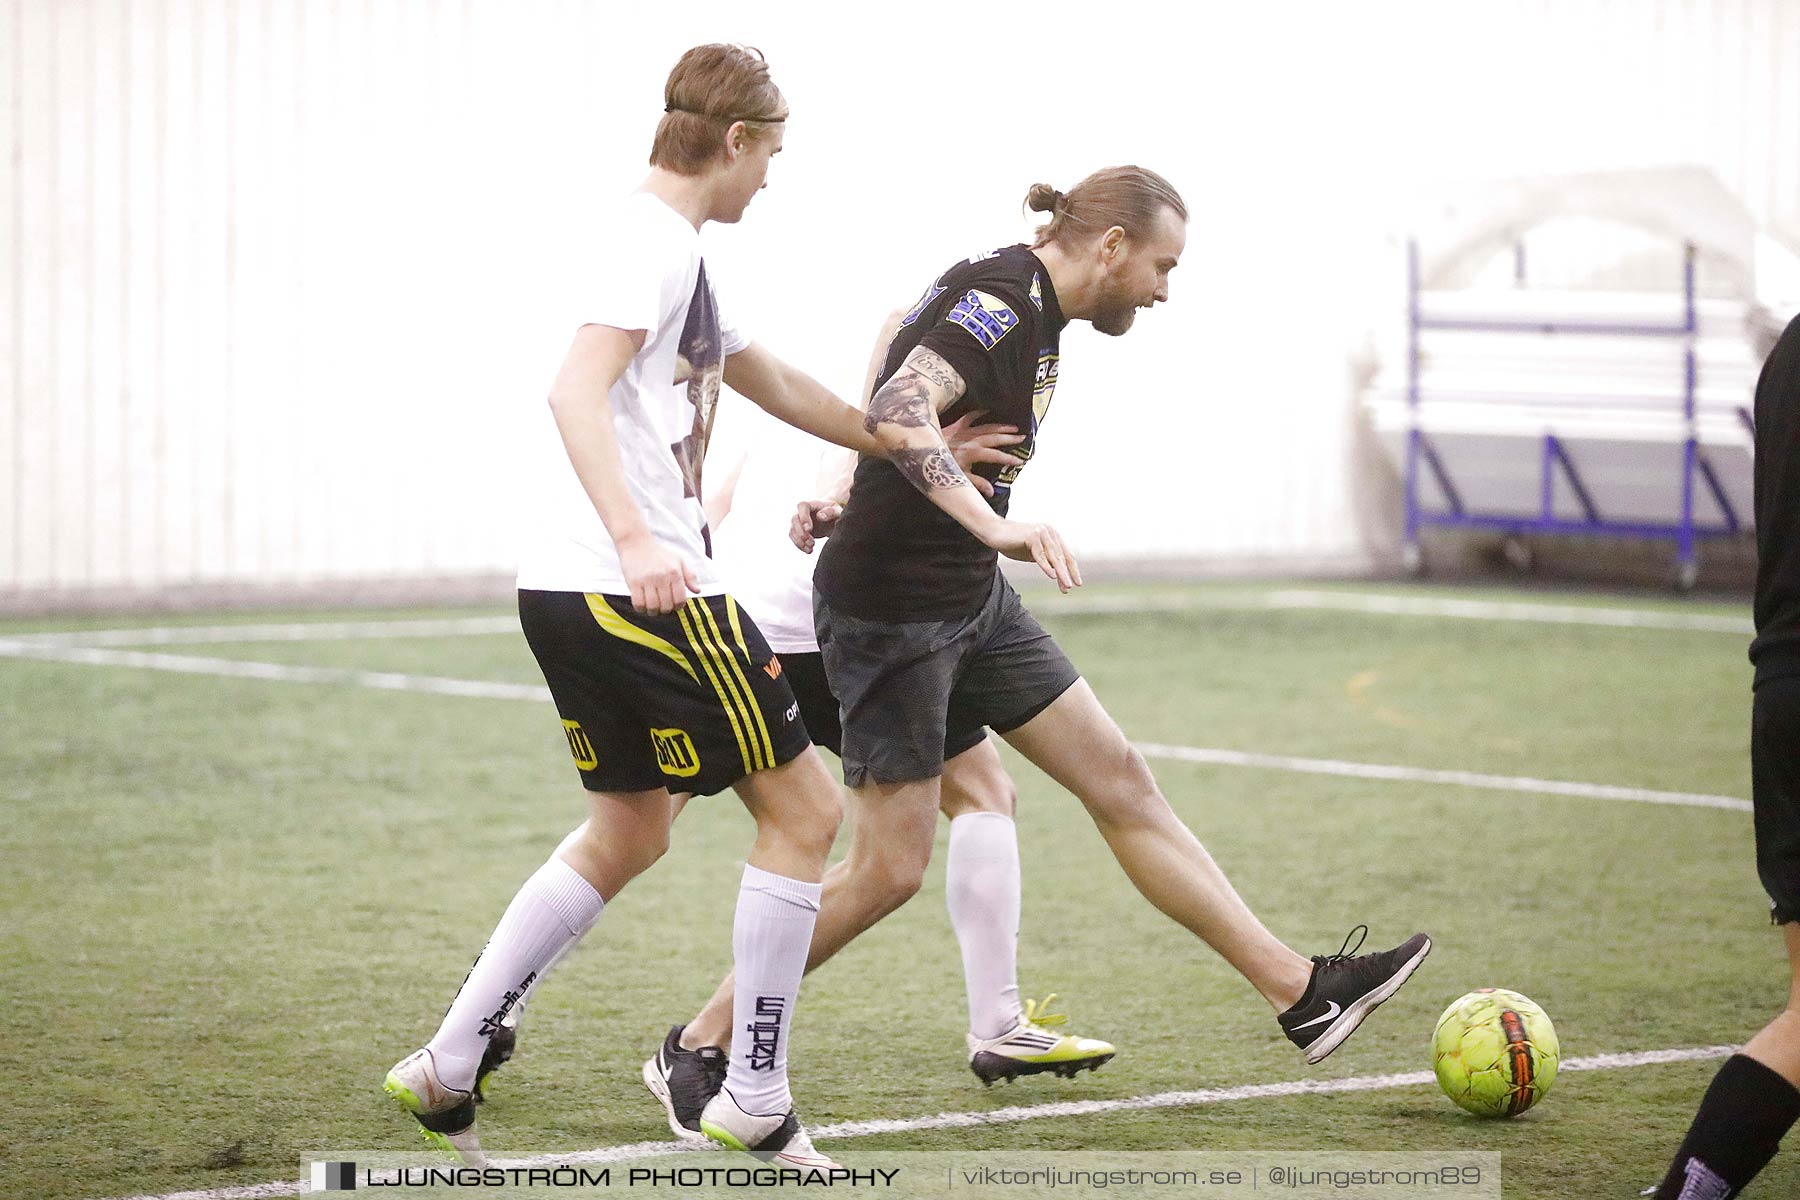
<point>907,688</point>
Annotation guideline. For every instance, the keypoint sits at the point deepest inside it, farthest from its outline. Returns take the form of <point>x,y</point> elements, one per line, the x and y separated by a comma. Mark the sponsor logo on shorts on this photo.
<point>580,746</point>
<point>765,1032</point>
<point>675,752</point>
<point>773,667</point>
<point>792,712</point>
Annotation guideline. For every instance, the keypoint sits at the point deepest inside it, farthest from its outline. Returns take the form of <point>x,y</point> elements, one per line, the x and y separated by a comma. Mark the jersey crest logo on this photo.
<point>985,317</point>
<point>1037,292</point>
<point>675,752</point>
<point>580,746</point>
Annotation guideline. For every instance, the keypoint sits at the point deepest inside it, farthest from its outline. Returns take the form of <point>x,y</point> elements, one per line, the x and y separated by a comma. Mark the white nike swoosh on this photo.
<point>1332,1015</point>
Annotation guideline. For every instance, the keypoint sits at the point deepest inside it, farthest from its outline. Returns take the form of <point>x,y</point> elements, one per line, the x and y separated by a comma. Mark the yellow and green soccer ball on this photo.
<point>1494,1052</point>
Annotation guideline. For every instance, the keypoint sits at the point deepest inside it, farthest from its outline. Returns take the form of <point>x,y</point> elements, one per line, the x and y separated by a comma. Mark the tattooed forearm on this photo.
<point>930,468</point>
<point>903,400</point>
<point>937,371</point>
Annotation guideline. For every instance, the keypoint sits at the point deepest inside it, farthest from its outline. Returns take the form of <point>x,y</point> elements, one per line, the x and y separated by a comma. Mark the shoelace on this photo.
<point>1348,951</point>
<point>1037,1013</point>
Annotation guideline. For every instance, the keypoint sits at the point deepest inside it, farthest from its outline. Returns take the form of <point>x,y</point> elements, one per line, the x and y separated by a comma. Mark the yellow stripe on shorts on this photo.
<point>624,630</point>
<point>762,727</point>
<point>737,627</point>
<point>706,662</point>
<point>735,683</point>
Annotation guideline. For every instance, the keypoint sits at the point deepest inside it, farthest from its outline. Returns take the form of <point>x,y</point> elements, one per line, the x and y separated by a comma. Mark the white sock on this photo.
<point>549,914</point>
<point>982,892</point>
<point>769,940</point>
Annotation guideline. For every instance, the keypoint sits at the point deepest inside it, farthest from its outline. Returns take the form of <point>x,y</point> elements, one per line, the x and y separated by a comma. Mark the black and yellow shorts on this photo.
<point>692,701</point>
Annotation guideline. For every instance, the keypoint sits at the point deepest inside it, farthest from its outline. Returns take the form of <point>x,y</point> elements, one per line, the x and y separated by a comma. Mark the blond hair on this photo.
<point>1129,197</point>
<point>712,87</point>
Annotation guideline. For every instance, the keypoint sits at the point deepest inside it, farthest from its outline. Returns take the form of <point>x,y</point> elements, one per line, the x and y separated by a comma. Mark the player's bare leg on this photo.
<point>890,847</point>
<point>1319,1002</point>
<point>1777,1045</point>
<point>1749,1107</point>
<point>867,885</point>
<point>798,809</point>
<point>624,835</point>
<point>1076,743</point>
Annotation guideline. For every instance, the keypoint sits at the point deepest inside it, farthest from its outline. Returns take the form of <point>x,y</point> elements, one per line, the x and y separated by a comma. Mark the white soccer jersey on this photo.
<point>645,273</point>
<point>765,573</point>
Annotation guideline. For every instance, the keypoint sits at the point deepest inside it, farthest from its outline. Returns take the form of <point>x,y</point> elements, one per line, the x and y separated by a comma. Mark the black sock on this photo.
<point>1736,1132</point>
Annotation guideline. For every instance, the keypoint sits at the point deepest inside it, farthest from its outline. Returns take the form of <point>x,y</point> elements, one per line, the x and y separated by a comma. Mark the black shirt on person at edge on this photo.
<point>1776,650</point>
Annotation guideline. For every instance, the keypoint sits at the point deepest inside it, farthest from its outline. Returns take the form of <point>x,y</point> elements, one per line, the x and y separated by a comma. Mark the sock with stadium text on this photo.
<point>982,893</point>
<point>1747,1110</point>
<point>769,940</point>
<point>548,915</point>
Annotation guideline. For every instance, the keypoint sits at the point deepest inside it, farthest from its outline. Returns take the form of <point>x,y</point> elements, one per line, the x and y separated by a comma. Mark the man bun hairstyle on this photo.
<point>712,87</point>
<point>1129,197</point>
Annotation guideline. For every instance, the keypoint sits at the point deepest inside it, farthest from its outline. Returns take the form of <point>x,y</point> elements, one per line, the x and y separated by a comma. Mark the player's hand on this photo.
<point>1040,544</point>
<point>971,444</point>
<point>813,519</point>
<point>660,579</point>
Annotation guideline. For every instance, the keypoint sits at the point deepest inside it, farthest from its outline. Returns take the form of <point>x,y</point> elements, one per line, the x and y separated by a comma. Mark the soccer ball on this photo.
<point>1494,1052</point>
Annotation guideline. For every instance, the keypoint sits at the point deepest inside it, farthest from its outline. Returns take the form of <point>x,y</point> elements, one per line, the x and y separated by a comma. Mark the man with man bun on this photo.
<point>924,641</point>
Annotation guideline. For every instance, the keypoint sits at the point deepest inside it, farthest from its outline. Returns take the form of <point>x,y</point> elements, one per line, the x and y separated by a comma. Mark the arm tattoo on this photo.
<point>906,400</point>
<point>903,400</point>
<point>938,371</point>
<point>930,468</point>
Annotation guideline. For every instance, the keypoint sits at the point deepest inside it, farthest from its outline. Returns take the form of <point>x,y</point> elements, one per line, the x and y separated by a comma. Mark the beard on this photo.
<point>1115,317</point>
<point>1116,308</point>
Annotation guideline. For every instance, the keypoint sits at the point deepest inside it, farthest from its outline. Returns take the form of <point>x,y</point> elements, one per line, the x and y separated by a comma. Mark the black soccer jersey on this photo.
<point>1776,650</point>
<point>895,555</point>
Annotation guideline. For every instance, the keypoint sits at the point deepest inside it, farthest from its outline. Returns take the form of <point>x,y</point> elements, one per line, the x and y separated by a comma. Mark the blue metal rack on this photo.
<point>1554,458</point>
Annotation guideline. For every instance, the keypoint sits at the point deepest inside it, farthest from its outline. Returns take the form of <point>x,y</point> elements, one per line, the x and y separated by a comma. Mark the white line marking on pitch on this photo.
<point>489,690</point>
<point>186,664</point>
<point>1504,783</point>
<point>844,1130</point>
<point>300,631</point>
<point>1508,610</point>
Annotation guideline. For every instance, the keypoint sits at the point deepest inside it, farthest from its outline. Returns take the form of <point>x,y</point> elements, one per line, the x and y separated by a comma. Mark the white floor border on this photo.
<point>844,1130</point>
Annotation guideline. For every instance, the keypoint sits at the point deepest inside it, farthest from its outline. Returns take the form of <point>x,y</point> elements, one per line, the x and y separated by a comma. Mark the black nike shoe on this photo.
<point>498,1053</point>
<point>1345,987</point>
<point>685,1081</point>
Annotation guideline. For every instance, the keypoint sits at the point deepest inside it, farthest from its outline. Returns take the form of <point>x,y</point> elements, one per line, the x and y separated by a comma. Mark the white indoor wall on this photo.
<point>276,276</point>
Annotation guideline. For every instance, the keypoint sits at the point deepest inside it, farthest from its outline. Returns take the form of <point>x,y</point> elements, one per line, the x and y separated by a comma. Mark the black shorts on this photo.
<point>910,690</point>
<point>805,673</point>
<point>1775,792</point>
<point>692,701</point>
